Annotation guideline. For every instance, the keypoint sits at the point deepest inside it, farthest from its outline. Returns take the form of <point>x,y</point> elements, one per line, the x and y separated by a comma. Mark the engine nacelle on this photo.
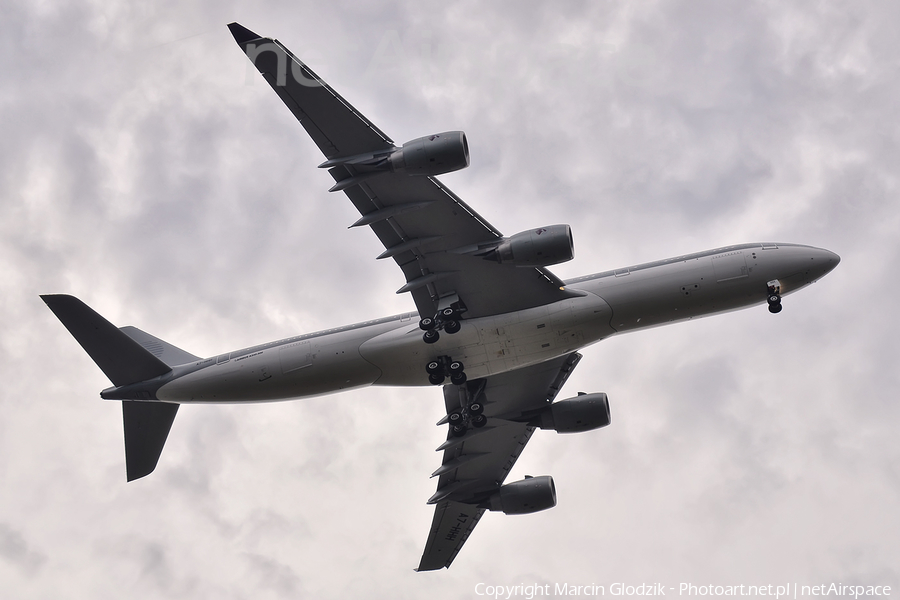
<point>574,415</point>
<point>532,494</point>
<point>432,155</point>
<point>536,248</point>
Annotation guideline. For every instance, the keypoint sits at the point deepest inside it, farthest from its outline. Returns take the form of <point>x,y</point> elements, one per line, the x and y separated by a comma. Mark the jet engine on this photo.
<point>529,495</point>
<point>536,248</point>
<point>432,155</point>
<point>573,415</point>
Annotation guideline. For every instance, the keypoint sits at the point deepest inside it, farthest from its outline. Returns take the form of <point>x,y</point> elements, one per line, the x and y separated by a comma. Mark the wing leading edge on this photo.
<point>424,227</point>
<point>475,465</point>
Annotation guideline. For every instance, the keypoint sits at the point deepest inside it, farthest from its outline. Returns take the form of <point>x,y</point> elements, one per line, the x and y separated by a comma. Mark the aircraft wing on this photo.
<point>424,226</point>
<point>476,464</point>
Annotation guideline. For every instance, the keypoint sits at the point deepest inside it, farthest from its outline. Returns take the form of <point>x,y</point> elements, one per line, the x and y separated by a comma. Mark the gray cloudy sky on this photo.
<point>148,170</point>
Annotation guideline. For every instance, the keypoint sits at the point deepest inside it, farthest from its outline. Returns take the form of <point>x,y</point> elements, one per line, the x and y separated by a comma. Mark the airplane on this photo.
<point>490,317</point>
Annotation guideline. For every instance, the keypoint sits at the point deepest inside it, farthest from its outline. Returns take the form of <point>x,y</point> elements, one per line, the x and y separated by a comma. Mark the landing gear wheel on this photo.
<point>448,313</point>
<point>458,378</point>
<point>427,324</point>
<point>476,408</point>
<point>433,368</point>
<point>431,336</point>
<point>774,299</point>
<point>456,367</point>
<point>436,379</point>
<point>452,326</point>
<point>458,430</point>
<point>455,418</point>
<point>775,308</point>
<point>479,421</point>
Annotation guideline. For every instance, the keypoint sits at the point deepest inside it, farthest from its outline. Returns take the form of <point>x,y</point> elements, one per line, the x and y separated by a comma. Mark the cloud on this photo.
<point>14,550</point>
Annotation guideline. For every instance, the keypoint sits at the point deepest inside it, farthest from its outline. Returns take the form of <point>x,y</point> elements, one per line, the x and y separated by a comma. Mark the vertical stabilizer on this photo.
<point>147,426</point>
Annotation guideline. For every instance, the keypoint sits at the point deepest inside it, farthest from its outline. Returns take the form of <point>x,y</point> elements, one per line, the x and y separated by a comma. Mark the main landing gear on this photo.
<point>774,298</point>
<point>439,368</point>
<point>470,412</point>
<point>447,319</point>
<point>469,416</point>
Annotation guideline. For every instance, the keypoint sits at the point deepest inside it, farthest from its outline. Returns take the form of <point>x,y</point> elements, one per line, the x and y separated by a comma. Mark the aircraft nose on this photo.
<point>808,264</point>
<point>823,262</point>
<point>829,261</point>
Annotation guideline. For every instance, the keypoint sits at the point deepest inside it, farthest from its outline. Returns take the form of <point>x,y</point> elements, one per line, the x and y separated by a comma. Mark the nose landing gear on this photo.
<point>774,298</point>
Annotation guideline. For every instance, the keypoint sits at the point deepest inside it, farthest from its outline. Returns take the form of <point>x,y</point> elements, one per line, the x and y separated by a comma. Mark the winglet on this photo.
<point>241,34</point>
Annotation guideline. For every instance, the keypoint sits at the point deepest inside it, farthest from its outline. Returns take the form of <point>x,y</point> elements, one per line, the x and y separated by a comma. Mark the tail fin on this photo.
<point>147,426</point>
<point>126,355</point>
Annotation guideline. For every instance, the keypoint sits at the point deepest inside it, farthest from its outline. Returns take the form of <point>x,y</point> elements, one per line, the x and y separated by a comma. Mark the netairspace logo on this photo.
<point>689,590</point>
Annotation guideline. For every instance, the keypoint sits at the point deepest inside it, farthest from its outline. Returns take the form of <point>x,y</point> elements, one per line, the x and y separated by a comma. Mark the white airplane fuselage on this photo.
<point>390,351</point>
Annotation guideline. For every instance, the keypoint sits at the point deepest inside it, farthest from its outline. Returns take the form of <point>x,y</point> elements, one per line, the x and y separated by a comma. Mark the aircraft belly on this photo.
<point>534,335</point>
<point>491,345</point>
<point>486,346</point>
<point>306,369</point>
<point>401,354</point>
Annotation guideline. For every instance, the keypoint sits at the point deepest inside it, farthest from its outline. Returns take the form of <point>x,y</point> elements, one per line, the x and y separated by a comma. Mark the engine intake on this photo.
<point>574,415</point>
<point>530,495</point>
<point>536,248</point>
<point>432,154</point>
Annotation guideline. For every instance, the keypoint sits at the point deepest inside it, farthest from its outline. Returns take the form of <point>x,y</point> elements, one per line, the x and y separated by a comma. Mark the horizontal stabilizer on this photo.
<point>147,426</point>
<point>121,358</point>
